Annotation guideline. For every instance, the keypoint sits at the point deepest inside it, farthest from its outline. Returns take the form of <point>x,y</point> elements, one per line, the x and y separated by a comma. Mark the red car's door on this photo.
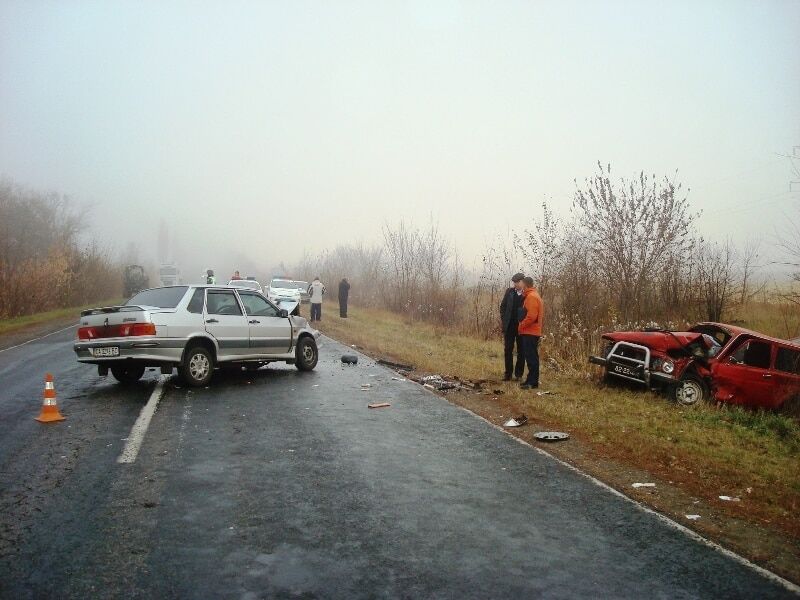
<point>787,374</point>
<point>743,375</point>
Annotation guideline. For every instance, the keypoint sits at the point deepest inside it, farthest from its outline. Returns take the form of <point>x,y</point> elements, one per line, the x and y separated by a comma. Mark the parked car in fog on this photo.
<point>710,361</point>
<point>193,328</point>
<point>302,287</point>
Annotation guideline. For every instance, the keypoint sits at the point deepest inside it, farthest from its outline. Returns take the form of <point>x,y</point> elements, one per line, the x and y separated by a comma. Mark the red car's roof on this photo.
<point>735,330</point>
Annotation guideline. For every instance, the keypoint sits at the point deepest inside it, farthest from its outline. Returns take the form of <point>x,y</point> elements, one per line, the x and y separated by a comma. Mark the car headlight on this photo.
<point>668,367</point>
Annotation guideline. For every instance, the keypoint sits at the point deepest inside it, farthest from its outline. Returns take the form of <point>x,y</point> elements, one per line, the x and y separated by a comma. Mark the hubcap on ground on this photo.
<point>198,366</point>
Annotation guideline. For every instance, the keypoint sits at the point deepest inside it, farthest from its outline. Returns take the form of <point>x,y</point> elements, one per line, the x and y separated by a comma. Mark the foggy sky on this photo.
<point>259,130</point>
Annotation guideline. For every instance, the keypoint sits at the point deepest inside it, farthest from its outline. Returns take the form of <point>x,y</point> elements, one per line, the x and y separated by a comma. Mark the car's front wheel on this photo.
<point>127,374</point>
<point>306,354</point>
<point>198,366</point>
<point>690,391</point>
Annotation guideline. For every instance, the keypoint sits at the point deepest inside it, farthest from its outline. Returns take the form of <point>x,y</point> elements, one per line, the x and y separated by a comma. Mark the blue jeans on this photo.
<point>530,348</point>
<point>316,311</point>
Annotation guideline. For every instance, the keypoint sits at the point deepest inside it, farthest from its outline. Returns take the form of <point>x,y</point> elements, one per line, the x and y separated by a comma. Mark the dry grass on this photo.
<point>708,451</point>
<point>20,323</point>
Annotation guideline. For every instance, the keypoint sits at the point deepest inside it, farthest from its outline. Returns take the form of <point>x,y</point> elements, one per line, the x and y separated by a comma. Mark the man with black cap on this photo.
<point>509,316</point>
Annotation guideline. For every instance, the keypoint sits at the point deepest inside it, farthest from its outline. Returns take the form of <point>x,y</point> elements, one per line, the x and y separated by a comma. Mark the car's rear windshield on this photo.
<point>281,283</point>
<point>165,297</point>
<point>300,285</point>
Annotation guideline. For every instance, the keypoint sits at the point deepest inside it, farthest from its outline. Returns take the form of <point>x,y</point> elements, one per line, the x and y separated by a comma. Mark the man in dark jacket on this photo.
<point>344,292</point>
<point>509,316</point>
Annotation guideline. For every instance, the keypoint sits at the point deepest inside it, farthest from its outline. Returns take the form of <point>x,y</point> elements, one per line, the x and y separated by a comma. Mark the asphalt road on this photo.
<point>284,485</point>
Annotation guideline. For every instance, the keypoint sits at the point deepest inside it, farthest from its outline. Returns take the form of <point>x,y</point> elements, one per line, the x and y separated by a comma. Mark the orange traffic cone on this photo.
<point>49,412</point>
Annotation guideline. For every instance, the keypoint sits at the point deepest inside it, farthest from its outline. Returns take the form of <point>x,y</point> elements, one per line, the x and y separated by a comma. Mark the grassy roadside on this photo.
<point>700,452</point>
<point>18,324</point>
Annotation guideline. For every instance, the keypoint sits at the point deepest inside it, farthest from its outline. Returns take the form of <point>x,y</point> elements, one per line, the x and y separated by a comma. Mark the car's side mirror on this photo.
<point>283,313</point>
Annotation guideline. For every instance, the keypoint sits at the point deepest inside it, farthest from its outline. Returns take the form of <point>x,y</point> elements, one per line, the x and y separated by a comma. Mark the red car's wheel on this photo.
<point>690,391</point>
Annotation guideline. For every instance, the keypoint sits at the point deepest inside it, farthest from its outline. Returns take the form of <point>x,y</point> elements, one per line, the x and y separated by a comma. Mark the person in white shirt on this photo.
<point>316,290</point>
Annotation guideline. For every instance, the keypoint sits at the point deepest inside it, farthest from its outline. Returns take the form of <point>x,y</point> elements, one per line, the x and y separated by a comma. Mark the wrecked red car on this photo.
<point>710,361</point>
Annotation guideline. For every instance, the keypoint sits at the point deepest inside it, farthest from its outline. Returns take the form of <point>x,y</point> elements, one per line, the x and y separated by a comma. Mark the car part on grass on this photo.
<point>437,382</point>
<point>394,365</point>
<point>551,436</point>
<point>350,359</point>
<point>693,517</point>
<point>516,421</point>
<point>545,393</point>
<point>379,405</point>
<point>641,485</point>
<point>730,499</point>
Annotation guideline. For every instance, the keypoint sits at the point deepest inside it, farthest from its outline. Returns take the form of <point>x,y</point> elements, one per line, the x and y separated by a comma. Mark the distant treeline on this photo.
<point>45,262</point>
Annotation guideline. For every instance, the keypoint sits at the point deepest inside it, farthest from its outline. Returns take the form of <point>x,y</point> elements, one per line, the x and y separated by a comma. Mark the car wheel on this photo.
<point>690,391</point>
<point>306,354</point>
<point>198,366</point>
<point>128,374</point>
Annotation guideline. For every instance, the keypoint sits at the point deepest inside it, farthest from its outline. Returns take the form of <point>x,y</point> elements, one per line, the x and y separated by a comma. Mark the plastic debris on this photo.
<point>349,359</point>
<point>366,386</point>
<point>545,393</point>
<point>641,485</point>
<point>516,421</point>
<point>399,379</point>
<point>437,382</point>
<point>730,499</point>
<point>551,436</point>
<point>693,517</point>
<point>378,405</point>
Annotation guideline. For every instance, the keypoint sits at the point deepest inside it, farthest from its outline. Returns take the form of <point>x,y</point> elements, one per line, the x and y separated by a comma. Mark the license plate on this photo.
<point>109,351</point>
<point>627,371</point>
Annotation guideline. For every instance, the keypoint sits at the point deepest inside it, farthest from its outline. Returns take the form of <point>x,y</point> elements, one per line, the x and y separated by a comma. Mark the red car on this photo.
<point>709,361</point>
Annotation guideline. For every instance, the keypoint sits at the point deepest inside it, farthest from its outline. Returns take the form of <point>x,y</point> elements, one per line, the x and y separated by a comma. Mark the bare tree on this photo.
<point>632,226</point>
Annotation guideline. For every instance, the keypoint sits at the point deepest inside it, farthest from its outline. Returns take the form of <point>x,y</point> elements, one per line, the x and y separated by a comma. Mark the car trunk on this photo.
<point>119,321</point>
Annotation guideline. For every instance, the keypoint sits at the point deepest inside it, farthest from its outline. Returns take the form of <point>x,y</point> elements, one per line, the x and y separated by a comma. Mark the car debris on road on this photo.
<point>641,485</point>
<point>379,405</point>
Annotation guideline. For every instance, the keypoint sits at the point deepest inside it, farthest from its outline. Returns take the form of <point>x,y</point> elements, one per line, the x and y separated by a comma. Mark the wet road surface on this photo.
<point>278,484</point>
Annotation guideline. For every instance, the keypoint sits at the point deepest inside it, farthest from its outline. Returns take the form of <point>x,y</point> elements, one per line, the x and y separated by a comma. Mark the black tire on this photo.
<point>197,367</point>
<point>690,391</point>
<point>127,374</point>
<point>306,354</point>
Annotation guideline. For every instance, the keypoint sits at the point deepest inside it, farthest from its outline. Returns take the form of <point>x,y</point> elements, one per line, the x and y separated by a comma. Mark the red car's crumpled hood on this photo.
<point>656,340</point>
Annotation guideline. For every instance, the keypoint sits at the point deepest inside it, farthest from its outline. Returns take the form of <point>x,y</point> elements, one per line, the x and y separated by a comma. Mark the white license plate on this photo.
<point>109,351</point>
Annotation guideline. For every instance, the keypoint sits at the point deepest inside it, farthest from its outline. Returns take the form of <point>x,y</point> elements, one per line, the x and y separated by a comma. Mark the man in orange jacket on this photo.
<point>530,330</point>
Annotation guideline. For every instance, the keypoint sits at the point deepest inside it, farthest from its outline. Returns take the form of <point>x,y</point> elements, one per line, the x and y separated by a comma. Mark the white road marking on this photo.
<point>37,339</point>
<point>663,518</point>
<point>136,437</point>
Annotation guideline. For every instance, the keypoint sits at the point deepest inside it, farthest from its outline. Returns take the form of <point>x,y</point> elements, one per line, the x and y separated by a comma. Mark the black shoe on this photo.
<point>506,377</point>
<point>517,377</point>
<point>524,386</point>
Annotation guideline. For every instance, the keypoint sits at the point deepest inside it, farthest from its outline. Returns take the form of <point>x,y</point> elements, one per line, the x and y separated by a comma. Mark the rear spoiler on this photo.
<point>110,309</point>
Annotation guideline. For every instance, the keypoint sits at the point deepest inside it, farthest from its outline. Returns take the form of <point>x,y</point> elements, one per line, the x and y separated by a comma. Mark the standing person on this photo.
<point>530,330</point>
<point>236,276</point>
<point>509,316</point>
<point>315,291</point>
<point>344,292</point>
<point>210,278</point>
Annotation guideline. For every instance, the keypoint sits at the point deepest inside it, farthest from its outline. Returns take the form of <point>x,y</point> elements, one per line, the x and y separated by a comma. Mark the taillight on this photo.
<point>143,329</point>
<point>113,331</point>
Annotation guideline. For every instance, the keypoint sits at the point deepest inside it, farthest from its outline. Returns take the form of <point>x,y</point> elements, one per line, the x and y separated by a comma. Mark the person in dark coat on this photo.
<point>509,317</point>
<point>344,292</point>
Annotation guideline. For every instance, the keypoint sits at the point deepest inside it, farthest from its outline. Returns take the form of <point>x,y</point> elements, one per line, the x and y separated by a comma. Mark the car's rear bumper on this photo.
<point>150,350</point>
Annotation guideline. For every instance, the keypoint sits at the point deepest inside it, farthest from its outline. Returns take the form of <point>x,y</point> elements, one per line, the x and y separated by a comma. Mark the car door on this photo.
<point>226,321</point>
<point>269,332</point>
<point>744,376</point>
<point>787,374</point>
